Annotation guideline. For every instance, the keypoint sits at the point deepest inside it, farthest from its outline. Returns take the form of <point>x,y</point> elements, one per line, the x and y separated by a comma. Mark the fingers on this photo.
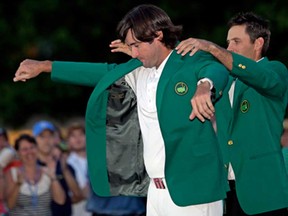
<point>186,46</point>
<point>192,115</point>
<point>117,46</point>
<point>20,75</point>
<point>195,112</point>
<point>202,106</point>
<point>202,110</point>
<point>210,107</point>
<point>50,172</point>
<point>16,79</point>
<point>202,113</point>
<point>117,41</point>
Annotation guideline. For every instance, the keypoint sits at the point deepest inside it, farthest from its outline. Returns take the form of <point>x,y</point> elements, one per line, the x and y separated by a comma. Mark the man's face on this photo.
<point>45,141</point>
<point>148,53</point>
<point>76,140</point>
<point>239,42</point>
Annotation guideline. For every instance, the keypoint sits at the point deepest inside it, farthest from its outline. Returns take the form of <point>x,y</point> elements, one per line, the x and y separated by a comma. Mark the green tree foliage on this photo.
<point>81,30</point>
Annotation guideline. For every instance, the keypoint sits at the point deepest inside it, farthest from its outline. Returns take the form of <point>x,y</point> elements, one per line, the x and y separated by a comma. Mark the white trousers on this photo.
<point>159,203</point>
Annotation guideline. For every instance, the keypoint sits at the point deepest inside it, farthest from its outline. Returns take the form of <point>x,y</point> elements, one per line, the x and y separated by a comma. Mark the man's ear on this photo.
<point>259,42</point>
<point>159,35</point>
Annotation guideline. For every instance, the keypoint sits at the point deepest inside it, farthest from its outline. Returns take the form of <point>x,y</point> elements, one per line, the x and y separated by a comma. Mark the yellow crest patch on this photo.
<point>244,107</point>
<point>181,88</point>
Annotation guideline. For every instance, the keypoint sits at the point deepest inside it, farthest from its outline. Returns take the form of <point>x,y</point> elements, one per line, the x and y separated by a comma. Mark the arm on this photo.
<point>205,94</point>
<point>31,68</point>
<point>212,78</point>
<point>192,45</point>
<point>267,77</point>
<point>12,187</point>
<point>201,101</point>
<point>73,186</point>
<point>71,181</point>
<point>58,193</point>
<point>79,73</point>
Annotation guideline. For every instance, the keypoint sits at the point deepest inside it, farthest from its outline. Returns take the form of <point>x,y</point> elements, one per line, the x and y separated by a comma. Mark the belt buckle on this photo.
<point>159,183</point>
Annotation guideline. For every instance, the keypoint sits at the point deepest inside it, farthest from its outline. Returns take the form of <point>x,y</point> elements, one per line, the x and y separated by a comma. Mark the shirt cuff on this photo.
<point>204,80</point>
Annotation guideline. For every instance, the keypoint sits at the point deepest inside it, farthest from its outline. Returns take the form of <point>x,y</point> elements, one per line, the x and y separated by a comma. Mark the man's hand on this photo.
<point>50,168</point>
<point>31,68</point>
<point>192,45</point>
<point>118,46</point>
<point>201,103</point>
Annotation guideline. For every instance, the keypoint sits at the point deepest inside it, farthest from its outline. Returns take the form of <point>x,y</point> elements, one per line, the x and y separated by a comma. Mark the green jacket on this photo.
<point>194,169</point>
<point>250,133</point>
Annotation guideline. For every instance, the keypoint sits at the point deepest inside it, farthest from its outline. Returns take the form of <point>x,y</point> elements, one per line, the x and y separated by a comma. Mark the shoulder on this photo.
<point>274,67</point>
<point>280,65</point>
<point>72,157</point>
<point>200,58</point>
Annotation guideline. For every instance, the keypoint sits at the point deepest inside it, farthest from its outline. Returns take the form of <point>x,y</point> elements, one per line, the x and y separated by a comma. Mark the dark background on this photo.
<point>79,30</point>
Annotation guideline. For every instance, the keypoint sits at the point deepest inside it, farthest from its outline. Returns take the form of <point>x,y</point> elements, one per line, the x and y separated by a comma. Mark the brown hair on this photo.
<point>256,27</point>
<point>75,126</point>
<point>145,21</point>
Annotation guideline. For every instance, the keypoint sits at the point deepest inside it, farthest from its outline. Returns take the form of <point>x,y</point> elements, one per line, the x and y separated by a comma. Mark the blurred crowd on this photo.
<point>46,173</point>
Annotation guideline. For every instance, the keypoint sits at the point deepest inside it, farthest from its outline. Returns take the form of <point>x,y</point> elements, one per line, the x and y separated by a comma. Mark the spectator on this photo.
<point>7,154</point>
<point>78,161</point>
<point>108,206</point>
<point>30,188</point>
<point>58,136</point>
<point>43,131</point>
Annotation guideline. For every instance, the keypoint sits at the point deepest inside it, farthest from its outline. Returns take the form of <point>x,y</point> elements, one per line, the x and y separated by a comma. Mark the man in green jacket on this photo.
<point>249,117</point>
<point>182,157</point>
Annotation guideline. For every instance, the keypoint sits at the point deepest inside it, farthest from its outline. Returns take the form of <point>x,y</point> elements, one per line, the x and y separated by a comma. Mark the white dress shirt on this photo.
<point>144,83</point>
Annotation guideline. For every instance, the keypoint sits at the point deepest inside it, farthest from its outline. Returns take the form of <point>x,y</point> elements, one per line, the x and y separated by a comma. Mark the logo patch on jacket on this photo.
<point>245,105</point>
<point>181,88</point>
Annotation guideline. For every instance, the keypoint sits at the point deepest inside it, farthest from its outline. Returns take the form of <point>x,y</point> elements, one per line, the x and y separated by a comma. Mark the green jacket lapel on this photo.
<point>172,65</point>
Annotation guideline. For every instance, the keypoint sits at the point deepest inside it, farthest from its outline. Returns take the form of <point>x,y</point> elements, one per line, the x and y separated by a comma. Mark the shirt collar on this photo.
<point>160,68</point>
<point>260,59</point>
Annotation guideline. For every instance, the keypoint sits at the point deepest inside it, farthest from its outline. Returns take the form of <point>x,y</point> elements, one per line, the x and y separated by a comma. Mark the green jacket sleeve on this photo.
<point>267,77</point>
<point>79,73</point>
<point>212,69</point>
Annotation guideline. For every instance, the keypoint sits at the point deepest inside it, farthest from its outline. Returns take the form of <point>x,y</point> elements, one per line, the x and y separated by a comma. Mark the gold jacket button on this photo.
<point>230,142</point>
